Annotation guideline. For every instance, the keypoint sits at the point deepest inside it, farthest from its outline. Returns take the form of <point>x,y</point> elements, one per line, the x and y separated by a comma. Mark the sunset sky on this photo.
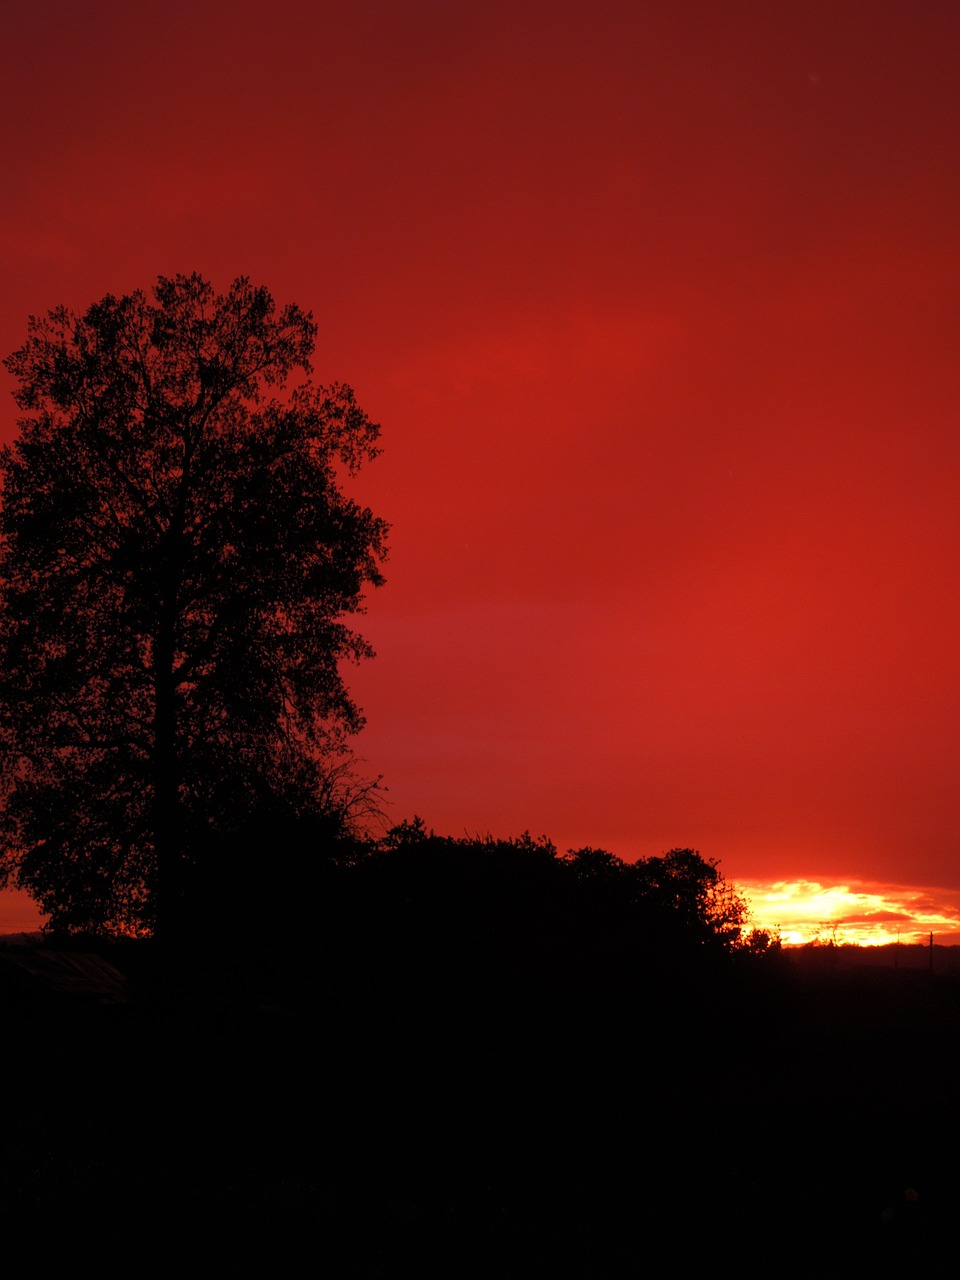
<point>658,306</point>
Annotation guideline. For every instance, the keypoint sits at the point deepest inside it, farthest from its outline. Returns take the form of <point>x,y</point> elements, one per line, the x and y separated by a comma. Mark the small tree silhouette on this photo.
<point>692,888</point>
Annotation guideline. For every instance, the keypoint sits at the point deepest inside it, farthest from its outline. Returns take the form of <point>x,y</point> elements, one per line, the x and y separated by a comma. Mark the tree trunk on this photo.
<point>167,826</point>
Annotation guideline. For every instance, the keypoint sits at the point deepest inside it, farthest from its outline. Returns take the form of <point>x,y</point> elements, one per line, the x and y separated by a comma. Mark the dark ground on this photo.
<point>398,1115</point>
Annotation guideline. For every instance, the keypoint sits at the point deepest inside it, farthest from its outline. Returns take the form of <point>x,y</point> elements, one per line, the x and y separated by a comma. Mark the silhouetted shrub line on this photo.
<point>499,1054</point>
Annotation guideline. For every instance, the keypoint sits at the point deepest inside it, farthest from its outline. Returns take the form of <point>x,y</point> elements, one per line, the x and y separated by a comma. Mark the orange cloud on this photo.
<point>861,912</point>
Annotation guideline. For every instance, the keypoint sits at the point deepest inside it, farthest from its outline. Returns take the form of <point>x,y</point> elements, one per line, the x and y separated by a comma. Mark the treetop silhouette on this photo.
<point>177,562</point>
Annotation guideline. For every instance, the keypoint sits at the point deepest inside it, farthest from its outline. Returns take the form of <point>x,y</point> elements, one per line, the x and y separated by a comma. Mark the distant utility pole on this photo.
<point>931,951</point>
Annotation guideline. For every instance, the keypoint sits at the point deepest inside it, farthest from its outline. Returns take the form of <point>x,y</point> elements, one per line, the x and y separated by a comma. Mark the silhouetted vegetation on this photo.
<point>485,1050</point>
<point>407,1055</point>
<point>177,561</point>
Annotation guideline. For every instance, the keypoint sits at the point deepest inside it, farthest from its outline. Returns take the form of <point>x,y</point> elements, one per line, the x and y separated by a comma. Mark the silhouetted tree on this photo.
<point>680,890</point>
<point>693,890</point>
<point>177,560</point>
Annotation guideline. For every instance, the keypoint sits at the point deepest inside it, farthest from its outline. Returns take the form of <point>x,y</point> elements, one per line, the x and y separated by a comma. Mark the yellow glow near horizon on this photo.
<point>854,912</point>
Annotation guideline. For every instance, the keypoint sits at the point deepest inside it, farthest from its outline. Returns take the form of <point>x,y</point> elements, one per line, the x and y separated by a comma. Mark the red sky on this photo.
<point>658,307</point>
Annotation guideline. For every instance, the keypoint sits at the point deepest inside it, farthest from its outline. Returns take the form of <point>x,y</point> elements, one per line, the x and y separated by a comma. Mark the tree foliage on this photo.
<point>679,899</point>
<point>679,890</point>
<point>177,561</point>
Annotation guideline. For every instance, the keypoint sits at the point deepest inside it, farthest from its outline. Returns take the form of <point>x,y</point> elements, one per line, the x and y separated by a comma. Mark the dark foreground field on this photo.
<point>396,1112</point>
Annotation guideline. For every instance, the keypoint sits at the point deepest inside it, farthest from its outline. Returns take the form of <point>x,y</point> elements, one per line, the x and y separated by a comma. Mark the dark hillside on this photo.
<point>442,1076</point>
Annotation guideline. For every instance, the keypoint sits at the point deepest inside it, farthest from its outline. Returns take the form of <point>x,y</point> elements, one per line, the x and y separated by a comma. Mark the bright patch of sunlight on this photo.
<point>855,912</point>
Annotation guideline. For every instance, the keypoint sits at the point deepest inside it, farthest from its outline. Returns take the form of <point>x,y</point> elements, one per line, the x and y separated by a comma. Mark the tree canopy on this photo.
<point>178,559</point>
<point>677,900</point>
